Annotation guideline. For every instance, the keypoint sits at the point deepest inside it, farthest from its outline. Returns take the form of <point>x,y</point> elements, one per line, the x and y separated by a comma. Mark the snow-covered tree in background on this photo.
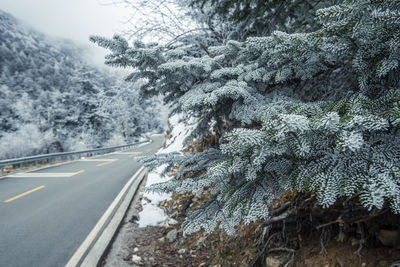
<point>309,103</point>
<point>49,93</point>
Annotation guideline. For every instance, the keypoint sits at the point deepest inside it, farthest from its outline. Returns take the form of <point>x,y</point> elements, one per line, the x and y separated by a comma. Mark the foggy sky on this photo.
<point>72,19</point>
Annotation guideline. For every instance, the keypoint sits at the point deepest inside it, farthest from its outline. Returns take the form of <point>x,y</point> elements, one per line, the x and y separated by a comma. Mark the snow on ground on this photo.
<point>181,128</point>
<point>151,213</point>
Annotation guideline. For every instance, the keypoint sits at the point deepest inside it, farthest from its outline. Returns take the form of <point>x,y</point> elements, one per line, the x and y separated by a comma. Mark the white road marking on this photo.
<point>128,153</point>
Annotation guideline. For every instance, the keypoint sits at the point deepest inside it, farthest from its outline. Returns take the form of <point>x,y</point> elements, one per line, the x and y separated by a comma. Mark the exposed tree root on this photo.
<point>299,219</point>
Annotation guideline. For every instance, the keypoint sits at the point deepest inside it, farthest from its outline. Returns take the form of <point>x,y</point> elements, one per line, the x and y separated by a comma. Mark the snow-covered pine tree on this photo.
<point>49,93</point>
<point>316,111</point>
<point>239,19</point>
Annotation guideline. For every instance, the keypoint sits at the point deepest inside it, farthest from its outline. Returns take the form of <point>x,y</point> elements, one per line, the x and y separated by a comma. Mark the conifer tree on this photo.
<point>49,93</point>
<point>310,104</point>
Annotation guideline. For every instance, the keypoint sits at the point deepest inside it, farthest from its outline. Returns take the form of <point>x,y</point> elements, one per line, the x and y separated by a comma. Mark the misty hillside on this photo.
<point>52,100</point>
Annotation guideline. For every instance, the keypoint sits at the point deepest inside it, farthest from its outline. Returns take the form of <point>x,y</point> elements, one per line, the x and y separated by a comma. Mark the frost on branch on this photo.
<point>312,108</point>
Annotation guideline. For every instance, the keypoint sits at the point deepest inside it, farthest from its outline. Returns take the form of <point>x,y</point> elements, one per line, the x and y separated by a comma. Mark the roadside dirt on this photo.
<point>339,254</point>
<point>166,246</point>
<point>149,246</point>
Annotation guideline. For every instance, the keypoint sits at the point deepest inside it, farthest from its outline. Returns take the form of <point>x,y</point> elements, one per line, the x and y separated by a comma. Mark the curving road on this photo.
<point>46,214</point>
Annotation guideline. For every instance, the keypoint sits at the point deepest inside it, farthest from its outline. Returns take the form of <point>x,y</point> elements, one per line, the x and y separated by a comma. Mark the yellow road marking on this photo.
<point>78,172</point>
<point>104,163</point>
<point>24,194</point>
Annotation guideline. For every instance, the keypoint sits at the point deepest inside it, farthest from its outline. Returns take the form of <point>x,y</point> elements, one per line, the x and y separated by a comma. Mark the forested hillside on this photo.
<point>51,99</point>
<point>298,115</point>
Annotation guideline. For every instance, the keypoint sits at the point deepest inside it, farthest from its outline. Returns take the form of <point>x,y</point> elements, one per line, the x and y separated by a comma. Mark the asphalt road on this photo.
<point>46,214</point>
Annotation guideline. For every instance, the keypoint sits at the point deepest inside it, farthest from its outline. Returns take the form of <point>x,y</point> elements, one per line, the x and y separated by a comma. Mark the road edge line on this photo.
<point>105,241</point>
<point>91,249</point>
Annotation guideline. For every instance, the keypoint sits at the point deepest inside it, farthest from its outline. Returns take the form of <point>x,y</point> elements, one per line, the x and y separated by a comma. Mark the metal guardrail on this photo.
<point>47,157</point>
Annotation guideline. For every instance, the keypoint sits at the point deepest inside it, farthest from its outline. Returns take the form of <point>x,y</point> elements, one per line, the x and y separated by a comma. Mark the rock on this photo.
<point>389,238</point>
<point>166,224</point>
<point>355,242</point>
<point>136,259</point>
<point>272,262</point>
<point>172,221</point>
<point>340,262</point>
<point>383,263</point>
<point>134,219</point>
<point>182,251</point>
<point>162,239</point>
<point>200,242</point>
<point>180,242</point>
<point>172,235</point>
<point>135,249</point>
